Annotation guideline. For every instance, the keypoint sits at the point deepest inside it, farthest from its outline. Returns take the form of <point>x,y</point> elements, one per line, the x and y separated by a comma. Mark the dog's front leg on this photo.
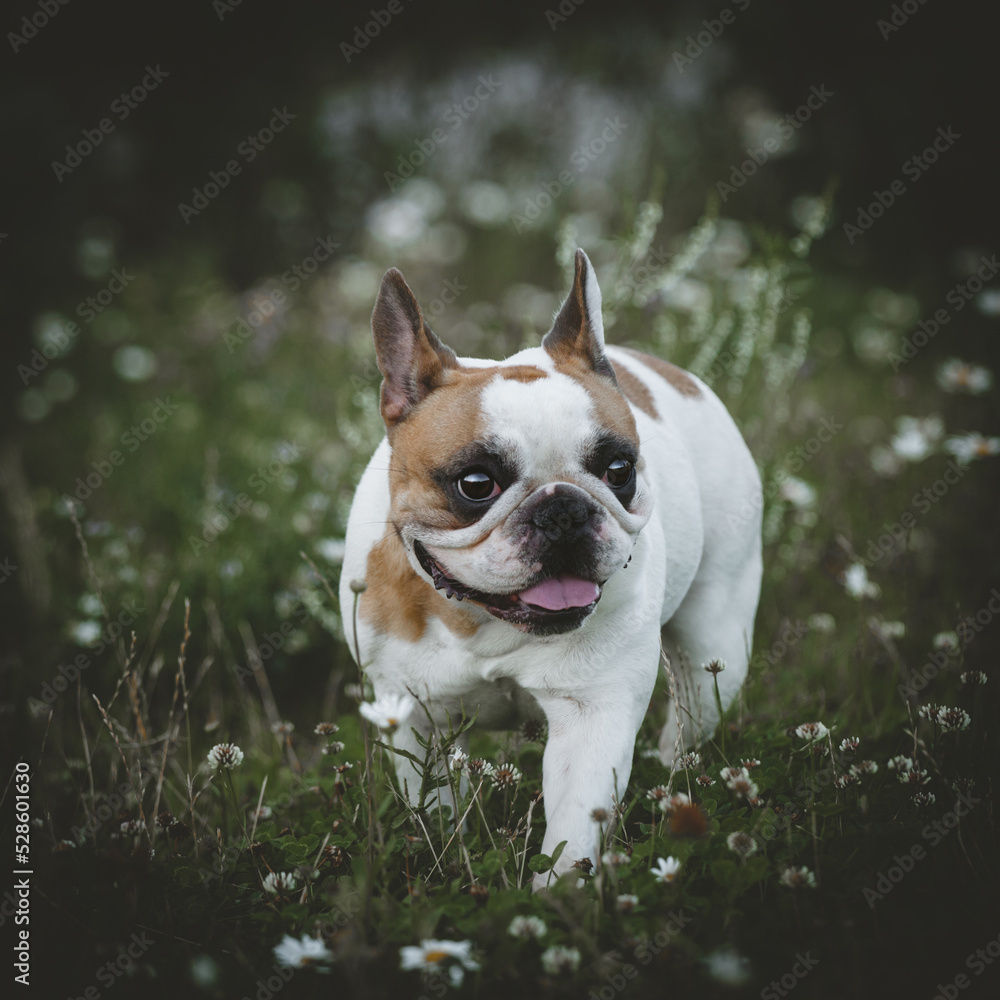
<point>587,762</point>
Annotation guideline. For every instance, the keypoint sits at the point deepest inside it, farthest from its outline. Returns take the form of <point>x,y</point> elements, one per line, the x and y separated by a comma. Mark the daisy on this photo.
<point>297,953</point>
<point>966,447</point>
<point>959,376</point>
<point>916,437</point>
<point>388,712</point>
<point>560,959</point>
<point>527,927</point>
<point>225,755</point>
<point>797,878</point>
<point>433,955</point>
<point>666,870</point>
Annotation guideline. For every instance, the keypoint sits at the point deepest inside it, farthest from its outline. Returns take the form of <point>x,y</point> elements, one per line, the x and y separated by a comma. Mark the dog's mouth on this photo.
<point>554,604</point>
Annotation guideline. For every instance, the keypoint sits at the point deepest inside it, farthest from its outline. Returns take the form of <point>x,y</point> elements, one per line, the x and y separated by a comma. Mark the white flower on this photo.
<point>558,958</point>
<point>457,759</point>
<point>856,582</point>
<point>225,755</point>
<point>505,776</point>
<point>666,870</point>
<point>282,728</point>
<point>738,780</point>
<point>923,799</point>
<point>886,462</point>
<point>959,376</point>
<point>627,902</point>
<point>797,492</point>
<point>797,878</point>
<point>811,731</point>
<point>886,631</point>
<point>728,967</point>
<point>972,677</point>
<point>690,759</point>
<point>850,743</point>
<point>280,883</point>
<point>821,621</point>
<point>297,953</point>
<point>948,719</point>
<point>966,447</point>
<point>389,711</point>
<point>916,437</point>
<point>742,843</point>
<point>947,641</point>
<point>614,860</point>
<point>527,927</point>
<point>434,955</point>
<point>864,767</point>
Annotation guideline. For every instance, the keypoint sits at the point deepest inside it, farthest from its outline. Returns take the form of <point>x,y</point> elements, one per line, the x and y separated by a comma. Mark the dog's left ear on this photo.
<point>578,330</point>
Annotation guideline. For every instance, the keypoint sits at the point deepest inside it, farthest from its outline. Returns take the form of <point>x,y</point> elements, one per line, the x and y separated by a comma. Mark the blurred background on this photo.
<point>797,201</point>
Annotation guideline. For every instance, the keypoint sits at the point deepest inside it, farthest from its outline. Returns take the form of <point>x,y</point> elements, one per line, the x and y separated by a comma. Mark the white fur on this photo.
<point>695,569</point>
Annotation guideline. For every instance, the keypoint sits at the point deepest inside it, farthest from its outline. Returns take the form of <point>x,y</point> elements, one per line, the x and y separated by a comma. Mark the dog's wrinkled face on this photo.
<point>515,486</point>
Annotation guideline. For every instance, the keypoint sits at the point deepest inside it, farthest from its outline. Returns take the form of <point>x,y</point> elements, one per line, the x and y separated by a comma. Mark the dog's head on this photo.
<point>515,485</point>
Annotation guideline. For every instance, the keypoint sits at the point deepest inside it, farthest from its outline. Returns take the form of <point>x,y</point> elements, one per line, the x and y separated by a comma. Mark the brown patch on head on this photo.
<point>610,406</point>
<point>636,391</point>
<point>677,377</point>
<point>398,601</point>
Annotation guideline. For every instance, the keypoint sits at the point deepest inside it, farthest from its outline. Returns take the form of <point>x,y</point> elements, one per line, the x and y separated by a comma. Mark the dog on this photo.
<point>531,530</point>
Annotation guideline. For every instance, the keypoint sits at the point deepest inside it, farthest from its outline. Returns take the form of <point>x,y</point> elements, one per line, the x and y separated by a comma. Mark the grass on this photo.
<point>141,843</point>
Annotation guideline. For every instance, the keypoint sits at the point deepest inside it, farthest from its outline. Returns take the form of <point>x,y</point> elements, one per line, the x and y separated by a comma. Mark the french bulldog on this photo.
<point>531,530</point>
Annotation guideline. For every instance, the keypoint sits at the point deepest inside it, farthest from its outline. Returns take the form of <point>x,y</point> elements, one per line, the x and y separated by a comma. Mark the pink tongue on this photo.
<point>564,592</point>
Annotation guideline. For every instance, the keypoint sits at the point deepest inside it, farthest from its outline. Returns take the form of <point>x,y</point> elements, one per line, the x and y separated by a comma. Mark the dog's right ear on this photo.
<point>410,357</point>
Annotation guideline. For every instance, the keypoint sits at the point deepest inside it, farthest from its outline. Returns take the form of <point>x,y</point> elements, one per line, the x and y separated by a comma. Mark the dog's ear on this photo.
<point>410,357</point>
<point>578,330</point>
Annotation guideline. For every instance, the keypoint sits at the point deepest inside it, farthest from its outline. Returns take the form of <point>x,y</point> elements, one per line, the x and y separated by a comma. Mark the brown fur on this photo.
<point>398,601</point>
<point>636,391</point>
<point>677,377</point>
<point>609,404</point>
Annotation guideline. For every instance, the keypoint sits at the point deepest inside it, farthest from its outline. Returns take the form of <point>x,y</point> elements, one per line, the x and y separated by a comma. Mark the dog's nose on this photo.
<point>561,517</point>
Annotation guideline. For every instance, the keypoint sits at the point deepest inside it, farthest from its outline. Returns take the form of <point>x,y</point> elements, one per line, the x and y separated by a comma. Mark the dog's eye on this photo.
<point>478,486</point>
<point>619,473</point>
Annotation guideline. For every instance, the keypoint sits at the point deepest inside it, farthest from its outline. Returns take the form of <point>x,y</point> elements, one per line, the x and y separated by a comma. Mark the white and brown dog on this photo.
<point>574,500</point>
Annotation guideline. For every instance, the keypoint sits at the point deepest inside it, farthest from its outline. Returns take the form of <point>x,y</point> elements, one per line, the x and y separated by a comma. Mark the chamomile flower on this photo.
<point>968,447</point>
<point>798,878</point>
<point>297,953</point>
<point>527,927</point>
<point>960,376</point>
<point>666,870</point>
<point>435,956</point>
<point>388,712</point>
<point>559,958</point>
<point>225,756</point>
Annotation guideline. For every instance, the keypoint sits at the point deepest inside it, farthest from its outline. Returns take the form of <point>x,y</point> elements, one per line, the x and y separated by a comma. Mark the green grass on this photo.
<point>240,631</point>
